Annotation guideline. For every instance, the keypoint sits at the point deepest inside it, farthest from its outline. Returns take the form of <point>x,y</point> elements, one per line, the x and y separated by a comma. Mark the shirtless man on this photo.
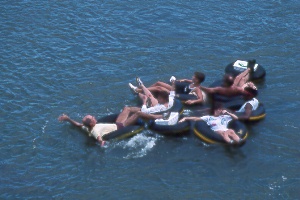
<point>231,86</point>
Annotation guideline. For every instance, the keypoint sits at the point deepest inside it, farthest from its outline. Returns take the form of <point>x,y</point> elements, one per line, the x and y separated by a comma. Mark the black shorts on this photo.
<point>119,125</point>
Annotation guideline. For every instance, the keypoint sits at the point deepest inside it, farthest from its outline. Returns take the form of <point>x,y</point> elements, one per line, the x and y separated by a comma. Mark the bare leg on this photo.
<point>233,135</point>
<point>162,84</point>
<point>132,120</point>
<point>153,89</point>
<point>124,115</point>
<point>228,135</point>
<point>149,95</point>
<point>242,78</point>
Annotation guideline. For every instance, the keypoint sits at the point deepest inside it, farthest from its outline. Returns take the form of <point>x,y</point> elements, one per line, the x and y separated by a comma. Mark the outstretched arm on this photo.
<point>225,112</point>
<point>209,90</point>
<point>185,80</point>
<point>65,117</point>
<point>149,95</point>
<point>190,119</point>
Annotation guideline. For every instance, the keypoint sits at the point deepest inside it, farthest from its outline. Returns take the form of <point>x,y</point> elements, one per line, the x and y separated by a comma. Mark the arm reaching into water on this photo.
<point>65,117</point>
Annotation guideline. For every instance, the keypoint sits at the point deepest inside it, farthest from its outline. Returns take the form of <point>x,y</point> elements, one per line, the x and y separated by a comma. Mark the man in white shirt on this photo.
<point>218,123</point>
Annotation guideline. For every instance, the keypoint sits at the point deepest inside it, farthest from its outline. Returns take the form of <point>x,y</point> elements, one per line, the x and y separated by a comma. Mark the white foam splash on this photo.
<point>44,126</point>
<point>139,145</point>
<point>284,178</point>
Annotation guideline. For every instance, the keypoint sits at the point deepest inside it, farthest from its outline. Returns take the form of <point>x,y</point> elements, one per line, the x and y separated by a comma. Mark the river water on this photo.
<point>77,57</point>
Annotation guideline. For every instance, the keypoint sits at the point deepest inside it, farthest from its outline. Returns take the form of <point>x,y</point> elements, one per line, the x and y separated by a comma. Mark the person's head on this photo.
<point>217,109</point>
<point>163,97</point>
<point>250,93</point>
<point>89,121</point>
<point>228,80</point>
<point>198,78</point>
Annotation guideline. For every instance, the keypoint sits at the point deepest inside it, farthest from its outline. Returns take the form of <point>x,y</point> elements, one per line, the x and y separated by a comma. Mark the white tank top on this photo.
<point>254,103</point>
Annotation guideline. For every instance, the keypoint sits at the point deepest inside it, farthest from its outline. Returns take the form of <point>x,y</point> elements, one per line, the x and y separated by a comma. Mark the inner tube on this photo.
<point>204,132</point>
<point>183,95</point>
<point>178,129</point>
<point>222,98</point>
<point>125,132</point>
<point>234,69</point>
<point>180,87</point>
<point>256,115</point>
<point>177,107</point>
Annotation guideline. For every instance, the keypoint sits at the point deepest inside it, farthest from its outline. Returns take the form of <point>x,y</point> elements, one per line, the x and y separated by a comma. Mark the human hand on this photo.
<point>182,120</point>
<point>189,102</point>
<point>63,117</point>
<point>224,112</point>
<point>251,85</point>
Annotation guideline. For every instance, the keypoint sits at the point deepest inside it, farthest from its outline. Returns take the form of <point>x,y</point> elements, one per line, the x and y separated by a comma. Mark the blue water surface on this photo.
<point>77,57</point>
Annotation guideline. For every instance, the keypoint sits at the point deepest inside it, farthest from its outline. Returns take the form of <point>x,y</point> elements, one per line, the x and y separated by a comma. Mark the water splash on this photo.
<point>138,145</point>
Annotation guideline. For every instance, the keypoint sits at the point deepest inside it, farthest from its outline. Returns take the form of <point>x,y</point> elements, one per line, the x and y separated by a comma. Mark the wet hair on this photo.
<point>164,95</point>
<point>228,79</point>
<point>199,76</point>
<point>251,91</point>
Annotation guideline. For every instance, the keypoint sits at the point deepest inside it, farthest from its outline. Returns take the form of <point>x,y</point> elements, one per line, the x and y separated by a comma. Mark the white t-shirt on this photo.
<point>219,123</point>
<point>100,130</point>
<point>159,107</point>
<point>254,103</point>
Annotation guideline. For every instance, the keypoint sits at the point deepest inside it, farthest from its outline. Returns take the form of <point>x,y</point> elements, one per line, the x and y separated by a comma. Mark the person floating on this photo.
<point>218,122</point>
<point>163,101</point>
<point>232,86</point>
<point>98,130</point>
<point>191,87</point>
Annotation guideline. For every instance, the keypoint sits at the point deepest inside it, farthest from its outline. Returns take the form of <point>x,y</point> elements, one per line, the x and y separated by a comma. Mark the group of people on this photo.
<point>160,96</point>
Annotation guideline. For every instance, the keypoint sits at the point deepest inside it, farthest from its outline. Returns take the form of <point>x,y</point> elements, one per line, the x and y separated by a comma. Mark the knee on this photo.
<point>158,83</point>
<point>126,109</point>
<point>138,113</point>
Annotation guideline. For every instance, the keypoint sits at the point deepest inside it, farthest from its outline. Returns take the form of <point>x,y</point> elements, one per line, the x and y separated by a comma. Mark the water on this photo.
<point>77,57</point>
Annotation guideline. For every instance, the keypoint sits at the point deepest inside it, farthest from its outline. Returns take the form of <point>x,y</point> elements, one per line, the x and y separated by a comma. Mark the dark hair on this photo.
<point>228,79</point>
<point>218,105</point>
<point>215,106</point>
<point>200,76</point>
<point>252,91</point>
<point>87,122</point>
<point>164,95</point>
